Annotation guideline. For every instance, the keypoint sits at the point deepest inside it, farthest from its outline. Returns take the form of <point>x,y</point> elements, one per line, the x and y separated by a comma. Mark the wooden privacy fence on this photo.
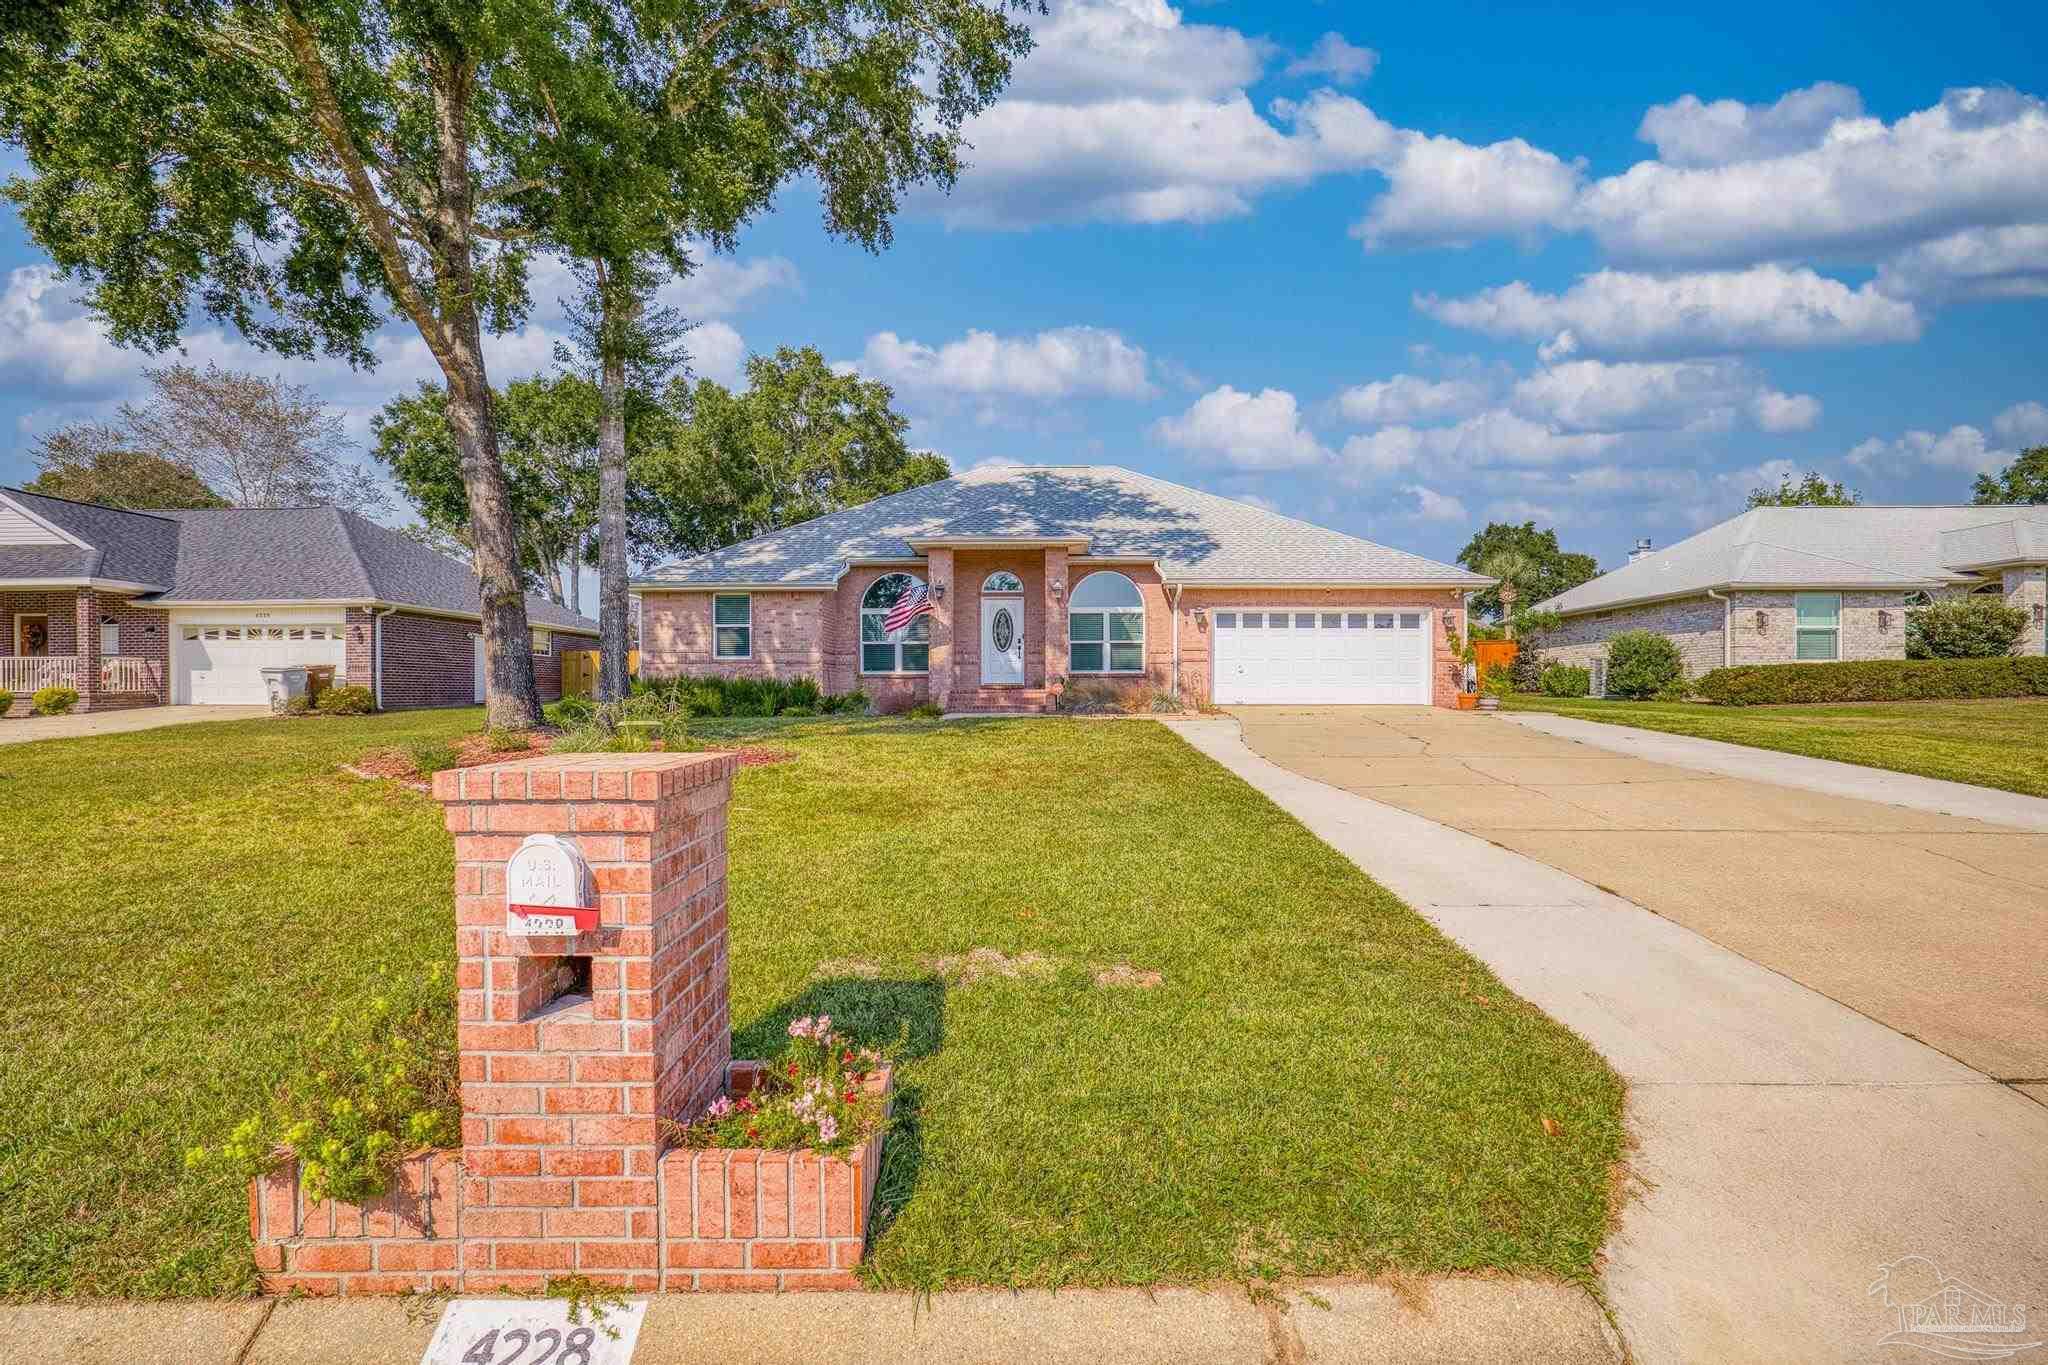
<point>579,671</point>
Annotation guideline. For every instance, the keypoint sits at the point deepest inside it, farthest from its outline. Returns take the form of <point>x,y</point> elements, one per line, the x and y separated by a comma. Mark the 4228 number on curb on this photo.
<point>539,1332</point>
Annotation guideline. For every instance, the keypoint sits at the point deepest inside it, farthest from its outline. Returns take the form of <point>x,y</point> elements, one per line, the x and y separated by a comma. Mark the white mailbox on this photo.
<point>548,888</point>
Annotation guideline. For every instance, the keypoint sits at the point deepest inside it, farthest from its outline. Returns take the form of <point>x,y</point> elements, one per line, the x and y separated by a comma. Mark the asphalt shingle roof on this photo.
<point>253,554</point>
<point>1196,537</point>
<point>1782,547</point>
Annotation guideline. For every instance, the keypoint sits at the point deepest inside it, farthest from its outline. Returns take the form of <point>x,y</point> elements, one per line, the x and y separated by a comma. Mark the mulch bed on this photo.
<point>473,751</point>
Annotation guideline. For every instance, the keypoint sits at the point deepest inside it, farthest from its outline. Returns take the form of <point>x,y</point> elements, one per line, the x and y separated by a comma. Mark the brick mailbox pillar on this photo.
<point>575,1045</point>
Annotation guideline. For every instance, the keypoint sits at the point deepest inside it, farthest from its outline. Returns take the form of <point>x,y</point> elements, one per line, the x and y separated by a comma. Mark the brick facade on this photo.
<point>2027,589</point>
<point>431,661</point>
<point>1691,623</point>
<point>816,633</point>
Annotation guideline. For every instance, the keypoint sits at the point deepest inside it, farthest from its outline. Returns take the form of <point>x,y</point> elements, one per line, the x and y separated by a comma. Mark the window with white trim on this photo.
<point>110,636</point>
<point>1817,634</point>
<point>1106,625</point>
<point>543,642</point>
<point>732,625</point>
<point>907,651</point>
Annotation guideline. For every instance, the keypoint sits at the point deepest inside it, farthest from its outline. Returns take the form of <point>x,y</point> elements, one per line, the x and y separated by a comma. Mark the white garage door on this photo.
<point>1302,657</point>
<point>222,665</point>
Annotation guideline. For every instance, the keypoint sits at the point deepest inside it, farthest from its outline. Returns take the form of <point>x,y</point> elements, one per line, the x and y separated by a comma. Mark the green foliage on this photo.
<point>1497,682</point>
<point>717,695</point>
<point>1093,697</point>
<point>926,710</point>
<point>1874,680</point>
<point>1642,663</point>
<point>814,1097</point>
<point>377,1085</point>
<point>53,701</point>
<point>502,741</point>
<point>798,711</point>
<point>301,705</point>
<point>571,711</point>
<point>1526,672</point>
<point>1811,490</point>
<point>854,703</point>
<point>1553,569</point>
<point>1564,680</point>
<point>6,701</point>
<point>1973,627</point>
<point>799,441</point>
<point>431,756</point>
<point>345,701</point>
<point>2025,480</point>
<point>95,462</point>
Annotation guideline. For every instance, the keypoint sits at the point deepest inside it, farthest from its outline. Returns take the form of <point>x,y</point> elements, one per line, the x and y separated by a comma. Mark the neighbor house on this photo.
<point>1787,584</point>
<point>1066,572</point>
<point>188,607</point>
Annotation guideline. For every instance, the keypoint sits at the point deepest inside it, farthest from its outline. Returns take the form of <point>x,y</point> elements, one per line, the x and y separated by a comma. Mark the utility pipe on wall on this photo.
<point>1727,628</point>
<point>1174,588</point>
<point>377,657</point>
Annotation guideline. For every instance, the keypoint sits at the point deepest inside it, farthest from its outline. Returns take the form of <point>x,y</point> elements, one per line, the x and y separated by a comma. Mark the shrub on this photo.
<point>1964,628</point>
<point>301,705</point>
<point>1090,697</point>
<point>1641,663</point>
<point>926,710</point>
<point>854,703</point>
<point>630,738</point>
<point>1527,670</point>
<point>798,711</point>
<point>429,757</point>
<point>1563,680</point>
<point>704,699</point>
<point>1875,680</point>
<point>376,1086</point>
<point>815,1096</point>
<point>573,711</point>
<point>344,701</point>
<point>1497,682</point>
<point>6,700</point>
<point>803,692</point>
<point>53,701</point>
<point>500,741</point>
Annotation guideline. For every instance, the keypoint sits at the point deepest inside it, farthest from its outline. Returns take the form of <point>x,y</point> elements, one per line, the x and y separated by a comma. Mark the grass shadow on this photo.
<point>906,1019</point>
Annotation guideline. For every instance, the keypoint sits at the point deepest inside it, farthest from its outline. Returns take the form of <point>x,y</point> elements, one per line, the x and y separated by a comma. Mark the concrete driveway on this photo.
<point>22,729</point>
<point>1931,924</point>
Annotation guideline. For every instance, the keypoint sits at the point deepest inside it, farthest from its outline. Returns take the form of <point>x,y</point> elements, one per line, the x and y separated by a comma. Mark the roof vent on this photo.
<point>1642,548</point>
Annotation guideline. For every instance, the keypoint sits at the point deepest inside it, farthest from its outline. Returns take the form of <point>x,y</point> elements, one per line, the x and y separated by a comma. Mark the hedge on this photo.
<point>1875,680</point>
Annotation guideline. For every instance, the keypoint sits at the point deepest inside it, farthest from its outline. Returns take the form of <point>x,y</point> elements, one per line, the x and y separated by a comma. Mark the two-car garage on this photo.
<point>220,661</point>
<point>1321,656</point>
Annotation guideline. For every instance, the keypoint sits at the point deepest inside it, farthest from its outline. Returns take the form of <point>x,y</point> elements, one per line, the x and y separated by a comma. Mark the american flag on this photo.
<point>913,604</point>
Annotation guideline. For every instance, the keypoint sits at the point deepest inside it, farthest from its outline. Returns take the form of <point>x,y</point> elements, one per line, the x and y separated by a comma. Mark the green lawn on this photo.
<point>2000,744</point>
<point>1321,1084</point>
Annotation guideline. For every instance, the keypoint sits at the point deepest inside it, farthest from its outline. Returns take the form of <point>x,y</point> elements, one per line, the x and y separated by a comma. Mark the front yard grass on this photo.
<point>2001,744</point>
<point>1320,1083</point>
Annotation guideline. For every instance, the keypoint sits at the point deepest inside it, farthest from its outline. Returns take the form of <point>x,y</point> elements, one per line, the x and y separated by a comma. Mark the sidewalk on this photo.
<point>1460,1320</point>
<point>1797,770</point>
<point>1788,1147</point>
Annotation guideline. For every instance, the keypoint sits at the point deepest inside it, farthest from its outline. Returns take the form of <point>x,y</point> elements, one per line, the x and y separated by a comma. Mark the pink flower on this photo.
<point>828,1128</point>
<point>720,1107</point>
<point>802,1028</point>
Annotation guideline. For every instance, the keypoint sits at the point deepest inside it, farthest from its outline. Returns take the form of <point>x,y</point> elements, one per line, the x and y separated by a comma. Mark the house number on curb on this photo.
<point>534,1332</point>
<point>549,890</point>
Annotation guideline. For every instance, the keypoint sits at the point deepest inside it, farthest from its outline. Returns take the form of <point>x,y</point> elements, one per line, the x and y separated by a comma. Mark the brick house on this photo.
<point>1078,572</point>
<point>1790,584</point>
<point>188,607</point>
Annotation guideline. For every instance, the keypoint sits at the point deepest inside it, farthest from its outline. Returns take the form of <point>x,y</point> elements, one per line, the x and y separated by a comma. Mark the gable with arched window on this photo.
<point>1106,625</point>
<point>910,649</point>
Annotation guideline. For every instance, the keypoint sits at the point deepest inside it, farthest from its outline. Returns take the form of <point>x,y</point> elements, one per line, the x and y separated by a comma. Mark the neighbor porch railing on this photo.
<point>22,674</point>
<point>120,673</point>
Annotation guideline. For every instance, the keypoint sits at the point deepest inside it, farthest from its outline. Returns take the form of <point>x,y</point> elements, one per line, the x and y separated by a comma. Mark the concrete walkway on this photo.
<point>1825,775</point>
<point>1933,924</point>
<point>1788,1146</point>
<point>22,729</point>
<point>1503,1322</point>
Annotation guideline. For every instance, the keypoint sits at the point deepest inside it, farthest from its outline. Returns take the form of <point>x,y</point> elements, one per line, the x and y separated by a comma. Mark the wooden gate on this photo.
<point>579,671</point>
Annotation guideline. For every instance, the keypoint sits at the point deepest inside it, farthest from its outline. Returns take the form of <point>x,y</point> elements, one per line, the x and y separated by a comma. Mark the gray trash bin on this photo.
<point>283,684</point>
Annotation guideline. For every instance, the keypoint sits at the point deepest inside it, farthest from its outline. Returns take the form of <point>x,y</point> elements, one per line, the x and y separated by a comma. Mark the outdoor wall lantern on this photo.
<point>938,592</point>
<point>1760,622</point>
<point>2039,612</point>
<point>1059,590</point>
<point>1884,621</point>
<point>1201,618</point>
<point>1450,618</point>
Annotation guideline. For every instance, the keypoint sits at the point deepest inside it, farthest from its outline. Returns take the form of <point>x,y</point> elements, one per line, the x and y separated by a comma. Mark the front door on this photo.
<point>1002,641</point>
<point>32,636</point>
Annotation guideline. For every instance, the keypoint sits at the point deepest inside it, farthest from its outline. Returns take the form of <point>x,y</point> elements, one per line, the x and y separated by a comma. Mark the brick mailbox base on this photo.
<point>574,1050</point>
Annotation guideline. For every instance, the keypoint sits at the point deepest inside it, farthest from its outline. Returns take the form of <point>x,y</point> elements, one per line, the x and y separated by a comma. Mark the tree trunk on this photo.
<point>575,598</point>
<point>612,603</point>
<point>508,640</point>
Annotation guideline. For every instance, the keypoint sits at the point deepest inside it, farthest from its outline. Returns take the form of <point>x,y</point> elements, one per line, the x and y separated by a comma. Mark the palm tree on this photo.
<point>1512,568</point>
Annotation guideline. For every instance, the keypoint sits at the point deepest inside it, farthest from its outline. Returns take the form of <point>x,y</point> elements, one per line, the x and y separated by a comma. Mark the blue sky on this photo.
<point>1400,272</point>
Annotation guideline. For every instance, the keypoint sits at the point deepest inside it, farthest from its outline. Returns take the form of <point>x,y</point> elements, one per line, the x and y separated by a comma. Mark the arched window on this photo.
<point>910,649</point>
<point>1002,580</point>
<point>1106,626</point>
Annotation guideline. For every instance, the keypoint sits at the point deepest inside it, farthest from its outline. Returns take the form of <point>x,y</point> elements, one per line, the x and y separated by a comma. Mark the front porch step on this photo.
<point>1001,700</point>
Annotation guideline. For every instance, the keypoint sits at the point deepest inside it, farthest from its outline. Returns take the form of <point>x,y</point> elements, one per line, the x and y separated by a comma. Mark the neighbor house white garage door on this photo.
<point>1320,657</point>
<point>221,663</point>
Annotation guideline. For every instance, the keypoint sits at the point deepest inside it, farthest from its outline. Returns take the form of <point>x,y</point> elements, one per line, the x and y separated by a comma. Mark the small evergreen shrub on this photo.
<point>53,701</point>
<point>854,703</point>
<point>501,741</point>
<point>1563,680</point>
<point>1964,628</point>
<point>574,711</point>
<point>1640,664</point>
<point>1875,680</point>
<point>926,710</point>
<point>429,758</point>
<point>1497,682</point>
<point>301,705</point>
<point>6,700</point>
<point>803,692</point>
<point>1526,672</point>
<point>345,701</point>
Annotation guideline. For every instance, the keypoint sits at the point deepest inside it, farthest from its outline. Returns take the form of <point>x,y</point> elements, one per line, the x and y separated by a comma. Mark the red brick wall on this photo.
<point>61,607</point>
<point>788,637</point>
<point>428,661</point>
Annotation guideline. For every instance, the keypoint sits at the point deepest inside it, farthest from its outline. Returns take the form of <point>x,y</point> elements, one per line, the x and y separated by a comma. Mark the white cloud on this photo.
<point>2024,424</point>
<point>1962,447</point>
<point>1333,56</point>
<point>1411,398</point>
<point>1693,132</point>
<point>1977,263</point>
<point>1251,431</point>
<point>1431,505</point>
<point>1094,50</point>
<point>1061,363</point>
<point>1695,395</point>
<point>1441,191</point>
<point>1979,158</point>
<point>1494,437</point>
<point>1616,312</point>
<point>717,351</point>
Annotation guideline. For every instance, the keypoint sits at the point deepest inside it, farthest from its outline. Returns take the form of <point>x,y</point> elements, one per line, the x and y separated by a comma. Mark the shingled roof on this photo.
<point>1103,510</point>
<point>255,554</point>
